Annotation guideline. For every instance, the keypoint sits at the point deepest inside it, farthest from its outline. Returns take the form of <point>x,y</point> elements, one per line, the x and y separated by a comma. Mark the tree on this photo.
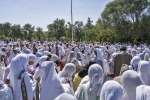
<point>78,29</point>
<point>16,31</point>
<point>39,32</point>
<point>6,28</point>
<point>28,29</point>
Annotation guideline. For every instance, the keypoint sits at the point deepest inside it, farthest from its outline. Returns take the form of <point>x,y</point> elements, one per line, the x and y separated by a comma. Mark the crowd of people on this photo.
<point>56,70</point>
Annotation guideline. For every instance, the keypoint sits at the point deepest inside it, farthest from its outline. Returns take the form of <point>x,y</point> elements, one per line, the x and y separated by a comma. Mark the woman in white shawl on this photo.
<point>51,85</point>
<point>130,80</point>
<point>134,63</point>
<point>20,80</point>
<point>2,69</point>
<point>71,56</point>
<point>143,92</point>
<point>5,92</point>
<point>65,96</point>
<point>67,73</point>
<point>80,58</point>
<point>111,90</point>
<point>144,70</point>
<point>101,61</point>
<point>92,89</point>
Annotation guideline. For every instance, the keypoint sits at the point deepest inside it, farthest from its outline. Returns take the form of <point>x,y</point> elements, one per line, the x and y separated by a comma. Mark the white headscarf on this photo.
<point>93,87</point>
<point>51,85</point>
<point>82,58</point>
<point>144,70</point>
<point>71,56</point>
<point>2,70</point>
<point>111,90</point>
<point>65,96</point>
<point>134,63</point>
<point>17,65</point>
<point>67,72</point>
<point>143,92</point>
<point>130,80</point>
<point>5,92</point>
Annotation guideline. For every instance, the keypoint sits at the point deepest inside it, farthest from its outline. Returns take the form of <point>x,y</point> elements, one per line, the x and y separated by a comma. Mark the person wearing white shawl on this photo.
<point>67,72</point>
<point>92,89</point>
<point>80,58</point>
<point>111,90</point>
<point>130,80</point>
<point>5,92</point>
<point>144,70</point>
<point>51,85</point>
<point>38,71</point>
<point>2,68</point>
<point>101,61</point>
<point>76,50</point>
<point>147,55</point>
<point>134,63</point>
<point>20,79</point>
<point>71,56</point>
<point>65,96</point>
<point>143,92</point>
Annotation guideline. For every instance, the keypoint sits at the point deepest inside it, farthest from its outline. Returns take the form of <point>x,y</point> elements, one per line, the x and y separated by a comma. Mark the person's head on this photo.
<point>95,74</point>
<point>123,48</point>
<point>31,59</point>
<point>111,90</point>
<point>144,67</point>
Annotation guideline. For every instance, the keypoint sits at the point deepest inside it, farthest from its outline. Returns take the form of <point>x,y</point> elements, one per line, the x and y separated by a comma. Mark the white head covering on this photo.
<point>51,85</point>
<point>134,63</point>
<point>67,71</point>
<point>65,96</point>
<point>143,92</point>
<point>31,57</point>
<point>71,56</point>
<point>130,80</point>
<point>82,58</point>
<point>93,87</point>
<point>54,57</point>
<point>17,65</point>
<point>111,90</point>
<point>46,53</point>
<point>42,59</point>
<point>144,70</point>
<point>99,55</point>
<point>5,92</point>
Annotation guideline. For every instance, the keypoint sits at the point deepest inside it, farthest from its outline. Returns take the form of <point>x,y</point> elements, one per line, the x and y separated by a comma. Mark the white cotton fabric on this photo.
<point>143,92</point>
<point>111,90</point>
<point>130,80</point>
<point>31,57</point>
<point>51,85</point>
<point>71,56</point>
<point>144,70</point>
<point>2,71</point>
<point>82,58</point>
<point>6,93</point>
<point>18,64</point>
<point>67,72</point>
<point>46,53</point>
<point>134,63</point>
<point>38,71</point>
<point>93,87</point>
<point>54,57</point>
<point>65,96</point>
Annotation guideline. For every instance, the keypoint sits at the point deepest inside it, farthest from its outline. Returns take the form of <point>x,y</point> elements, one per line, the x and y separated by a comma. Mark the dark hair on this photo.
<point>123,48</point>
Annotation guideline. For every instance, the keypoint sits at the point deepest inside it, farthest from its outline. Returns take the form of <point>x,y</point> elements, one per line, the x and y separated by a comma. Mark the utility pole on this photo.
<point>71,21</point>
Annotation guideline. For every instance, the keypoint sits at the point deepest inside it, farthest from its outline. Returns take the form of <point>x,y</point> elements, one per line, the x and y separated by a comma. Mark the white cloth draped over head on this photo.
<point>31,57</point>
<point>54,57</point>
<point>65,96</point>
<point>99,55</point>
<point>61,52</point>
<point>81,57</point>
<point>111,90</point>
<point>71,56</point>
<point>143,92</point>
<point>67,72</point>
<point>17,65</point>
<point>38,71</point>
<point>2,71</point>
<point>90,86</point>
<point>144,70</point>
<point>46,53</point>
<point>134,63</point>
<point>130,80</point>
<point>5,93</point>
<point>51,85</point>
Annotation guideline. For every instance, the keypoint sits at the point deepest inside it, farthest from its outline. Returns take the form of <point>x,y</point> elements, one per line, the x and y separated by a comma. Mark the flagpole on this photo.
<point>71,22</point>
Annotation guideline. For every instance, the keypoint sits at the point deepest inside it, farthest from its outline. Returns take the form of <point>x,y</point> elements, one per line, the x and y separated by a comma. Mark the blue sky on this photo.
<point>40,13</point>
